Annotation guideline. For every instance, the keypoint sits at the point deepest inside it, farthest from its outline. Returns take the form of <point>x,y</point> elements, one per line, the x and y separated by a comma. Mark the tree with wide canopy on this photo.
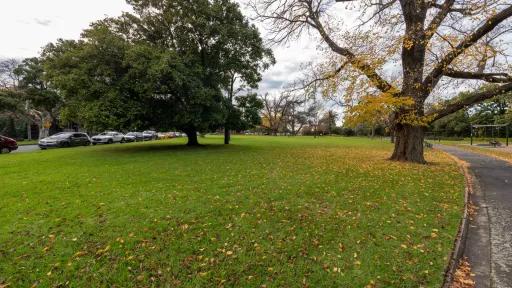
<point>163,66</point>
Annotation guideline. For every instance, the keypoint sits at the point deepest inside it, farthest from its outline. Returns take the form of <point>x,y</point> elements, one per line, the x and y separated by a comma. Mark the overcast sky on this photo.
<point>28,25</point>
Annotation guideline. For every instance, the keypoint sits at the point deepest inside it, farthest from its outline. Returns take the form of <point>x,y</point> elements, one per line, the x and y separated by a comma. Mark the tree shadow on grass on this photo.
<point>157,147</point>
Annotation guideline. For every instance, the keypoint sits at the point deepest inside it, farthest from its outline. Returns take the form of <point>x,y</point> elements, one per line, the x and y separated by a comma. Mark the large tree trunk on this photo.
<point>409,138</point>
<point>409,144</point>
<point>192,137</point>
<point>227,135</point>
<point>231,94</point>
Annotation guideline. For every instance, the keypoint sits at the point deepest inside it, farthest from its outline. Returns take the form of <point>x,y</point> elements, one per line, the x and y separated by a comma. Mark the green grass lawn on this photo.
<point>263,212</point>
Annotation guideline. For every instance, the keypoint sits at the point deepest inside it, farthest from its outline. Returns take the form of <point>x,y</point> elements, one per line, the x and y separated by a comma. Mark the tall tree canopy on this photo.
<point>163,66</point>
<point>439,44</point>
<point>41,103</point>
<point>9,102</point>
<point>245,112</point>
<point>25,95</point>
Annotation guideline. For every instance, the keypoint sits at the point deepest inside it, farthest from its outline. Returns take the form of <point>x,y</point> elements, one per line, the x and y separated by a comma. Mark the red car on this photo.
<point>7,145</point>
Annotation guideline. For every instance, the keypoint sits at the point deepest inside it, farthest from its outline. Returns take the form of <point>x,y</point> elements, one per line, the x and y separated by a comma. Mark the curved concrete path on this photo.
<point>489,241</point>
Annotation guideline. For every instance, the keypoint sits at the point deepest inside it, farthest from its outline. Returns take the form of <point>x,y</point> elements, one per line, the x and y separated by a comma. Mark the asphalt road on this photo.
<point>489,242</point>
<point>26,148</point>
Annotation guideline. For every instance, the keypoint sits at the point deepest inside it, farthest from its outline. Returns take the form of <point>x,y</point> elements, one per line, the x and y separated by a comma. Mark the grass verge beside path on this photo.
<point>27,142</point>
<point>273,211</point>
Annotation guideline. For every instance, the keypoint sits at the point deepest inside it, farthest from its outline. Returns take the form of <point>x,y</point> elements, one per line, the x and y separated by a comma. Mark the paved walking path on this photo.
<point>489,242</point>
<point>26,148</point>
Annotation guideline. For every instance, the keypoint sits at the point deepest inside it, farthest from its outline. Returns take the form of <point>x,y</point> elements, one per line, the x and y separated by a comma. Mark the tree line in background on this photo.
<point>490,112</point>
<point>289,114</point>
<point>28,103</point>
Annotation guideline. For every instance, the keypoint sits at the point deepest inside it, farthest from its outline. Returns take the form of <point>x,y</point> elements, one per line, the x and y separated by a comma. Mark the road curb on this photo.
<point>460,241</point>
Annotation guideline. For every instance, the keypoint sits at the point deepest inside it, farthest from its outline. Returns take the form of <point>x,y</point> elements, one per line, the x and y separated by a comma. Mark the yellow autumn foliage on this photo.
<point>412,119</point>
<point>373,109</point>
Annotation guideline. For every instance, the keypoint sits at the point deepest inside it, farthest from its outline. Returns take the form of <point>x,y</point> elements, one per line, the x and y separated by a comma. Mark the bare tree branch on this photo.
<point>451,9</point>
<point>488,77</point>
<point>326,76</point>
<point>381,8</point>
<point>292,17</point>
<point>357,63</point>
<point>435,75</point>
<point>432,28</point>
<point>8,77</point>
<point>468,101</point>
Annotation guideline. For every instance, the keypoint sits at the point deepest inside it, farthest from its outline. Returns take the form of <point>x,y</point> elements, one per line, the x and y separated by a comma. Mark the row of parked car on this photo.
<point>70,139</point>
<point>73,139</point>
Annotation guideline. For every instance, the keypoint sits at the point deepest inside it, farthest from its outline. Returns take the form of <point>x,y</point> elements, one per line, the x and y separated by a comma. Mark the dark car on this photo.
<point>134,137</point>
<point>150,135</point>
<point>7,145</point>
<point>65,139</point>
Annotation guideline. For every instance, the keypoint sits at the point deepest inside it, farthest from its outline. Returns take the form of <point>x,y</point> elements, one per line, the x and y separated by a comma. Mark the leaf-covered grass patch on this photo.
<point>273,211</point>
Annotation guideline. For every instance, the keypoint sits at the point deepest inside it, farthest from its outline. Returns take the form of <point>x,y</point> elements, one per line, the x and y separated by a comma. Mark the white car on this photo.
<point>108,137</point>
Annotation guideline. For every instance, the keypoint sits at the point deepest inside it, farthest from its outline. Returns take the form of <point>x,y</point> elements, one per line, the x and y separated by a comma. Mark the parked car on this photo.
<point>150,135</point>
<point>166,135</point>
<point>108,137</point>
<point>134,137</point>
<point>7,145</point>
<point>65,139</point>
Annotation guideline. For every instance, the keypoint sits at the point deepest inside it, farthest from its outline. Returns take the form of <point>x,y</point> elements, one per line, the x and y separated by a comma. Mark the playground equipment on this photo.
<point>493,141</point>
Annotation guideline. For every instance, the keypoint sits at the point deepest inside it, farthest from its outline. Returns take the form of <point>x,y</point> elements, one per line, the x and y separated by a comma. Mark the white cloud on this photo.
<point>288,66</point>
<point>43,22</point>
